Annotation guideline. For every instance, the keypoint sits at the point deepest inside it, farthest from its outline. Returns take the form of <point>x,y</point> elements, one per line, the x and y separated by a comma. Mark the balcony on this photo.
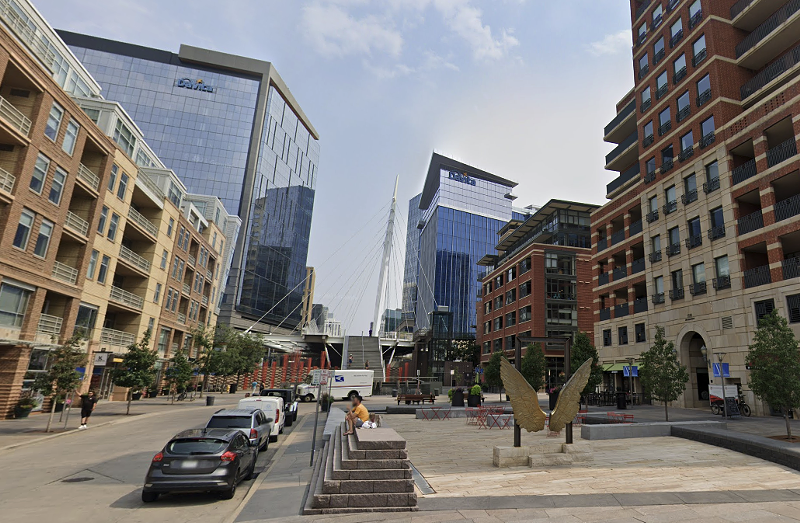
<point>646,105</point>
<point>641,38</point>
<point>677,294</point>
<point>65,273</point>
<point>661,91</point>
<point>149,187</point>
<point>640,305</point>
<point>88,177</point>
<point>679,75</point>
<point>602,244</point>
<point>657,21</point>
<point>143,223</point>
<point>757,276</point>
<point>695,19</point>
<point>631,173</point>
<point>209,275</point>
<point>744,171</point>
<point>666,165</point>
<point>658,56</point>
<point>49,325</point>
<point>750,223</point>
<point>771,72</point>
<point>602,279</point>
<point>689,197</point>
<point>655,256</point>
<point>204,300</point>
<point>673,249</point>
<point>686,154</point>
<point>670,207</point>
<point>182,318</point>
<point>774,35</point>
<point>699,57</point>
<point>620,272</point>
<point>648,140</point>
<point>715,233</point>
<point>13,117</point>
<point>658,298</point>
<point>787,208</point>
<point>618,237</point>
<point>191,260</point>
<point>694,241</point>
<point>186,289</point>
<point>621,310</point>
<point>650,176</point>
<point>722,282</point>
<point>76,224</point>
<point>703,97</point>
<point>652,216</point>
<point>708,139</point>
<point>128,299</point>
<point>696,289</point>
<point>711,185</point>
<point>623,154</point>
<point>782,152</point>
<point>612,131</point>
<point>116,338</point>
<point>7,183</point>
<point>635,228</point>
<point>790,268</point>
<point>664,128</point>
<point>674,39</point>
<point>643,71</point>
<point>637,266</point>
<point>133,259</point>
<point>683,113</point>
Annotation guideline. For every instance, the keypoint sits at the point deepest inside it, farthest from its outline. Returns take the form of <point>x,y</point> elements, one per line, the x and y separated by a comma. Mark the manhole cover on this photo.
<point>76,480</point>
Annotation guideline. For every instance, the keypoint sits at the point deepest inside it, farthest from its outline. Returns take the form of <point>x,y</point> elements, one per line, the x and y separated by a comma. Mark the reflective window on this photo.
<point>13,304</point>
<point>39,173</point>
<point>70,137</point>
<point>92,265</point>
<point>57,187</point>
<point>24,229</point>
<point>54,121</point>
<point>43,240</point>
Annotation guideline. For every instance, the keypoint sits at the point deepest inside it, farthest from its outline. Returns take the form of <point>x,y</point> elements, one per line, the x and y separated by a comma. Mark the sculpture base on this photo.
<point>543,455</point>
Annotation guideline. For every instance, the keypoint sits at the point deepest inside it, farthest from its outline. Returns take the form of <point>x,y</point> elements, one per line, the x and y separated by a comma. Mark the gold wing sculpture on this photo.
<point>569,399</point>
<point>525,401</point>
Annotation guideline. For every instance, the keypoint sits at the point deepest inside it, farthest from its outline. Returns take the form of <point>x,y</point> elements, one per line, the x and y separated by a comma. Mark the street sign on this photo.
<point>101,359</point>
<point>725,370</point>
<point>626,371</point>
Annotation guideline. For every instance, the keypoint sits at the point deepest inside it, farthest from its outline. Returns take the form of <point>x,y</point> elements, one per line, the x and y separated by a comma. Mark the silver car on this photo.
<point>251,421</point>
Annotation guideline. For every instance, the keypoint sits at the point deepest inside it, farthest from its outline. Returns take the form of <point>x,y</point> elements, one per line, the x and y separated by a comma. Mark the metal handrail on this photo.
<point>85,174</point>
<point>50,325</point>
<point>738,7</point>
<point>770,72</point>
<point>15,117</point>
<point>139,219</point>
<point>126,298</point>
<point>767,27</point>
<point>782,152</point>
<point>623,114</point>
<point>187,289</point>
<point>191,260</point>
<point>757,276</point>
<point>65,273</point>
<point>76,223</point>
<point>133,258</point>
<point>204,300</point>
<point>744,171</point>
<point>787,208</point>
<point>181,317</point>
<point>27,34</point>
<point>150,184</point>
<point>116,338</point>
<point>750,222</point>
<point>7,180</point>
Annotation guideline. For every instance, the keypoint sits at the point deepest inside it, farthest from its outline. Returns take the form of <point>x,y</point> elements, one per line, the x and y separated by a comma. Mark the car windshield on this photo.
<point>229,422</point>
<point>193,447</point>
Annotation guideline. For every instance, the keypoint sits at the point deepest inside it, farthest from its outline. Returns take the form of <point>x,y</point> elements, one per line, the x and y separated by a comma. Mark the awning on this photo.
<point>618,367</point>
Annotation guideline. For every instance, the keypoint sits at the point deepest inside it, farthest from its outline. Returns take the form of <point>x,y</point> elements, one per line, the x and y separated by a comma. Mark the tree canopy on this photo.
<point>63,377</point>
<point>533,365</point>
<point>660,372</point>
<point>138,367</point>
<point>582,349</point>
<point>179,373</point>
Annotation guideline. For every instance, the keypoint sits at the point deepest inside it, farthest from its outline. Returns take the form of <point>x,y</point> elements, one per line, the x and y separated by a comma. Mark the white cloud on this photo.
<point>466,21</point>
<point>611,43</point>
<point>334,32</point>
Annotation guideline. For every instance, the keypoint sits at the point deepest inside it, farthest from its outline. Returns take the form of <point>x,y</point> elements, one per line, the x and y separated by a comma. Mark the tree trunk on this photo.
<point>666,411</point>
<point>53,413</point>
<point>204,384</point>
<point>788,425</point>
<point>130,397</point>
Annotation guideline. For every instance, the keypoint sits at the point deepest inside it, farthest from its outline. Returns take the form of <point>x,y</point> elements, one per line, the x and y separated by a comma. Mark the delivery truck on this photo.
<point>343,384</point>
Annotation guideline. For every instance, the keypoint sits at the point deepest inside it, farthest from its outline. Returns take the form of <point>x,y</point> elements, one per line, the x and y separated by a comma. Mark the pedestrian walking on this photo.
<point>88,403</point>
<point>349,360</point>
<point>366,365</point>
<point>255,387</point>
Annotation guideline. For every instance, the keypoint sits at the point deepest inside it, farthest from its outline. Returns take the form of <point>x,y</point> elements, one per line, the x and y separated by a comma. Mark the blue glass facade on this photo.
<point>461,227</point>
<point>207,137</point>
<point>411,271</point>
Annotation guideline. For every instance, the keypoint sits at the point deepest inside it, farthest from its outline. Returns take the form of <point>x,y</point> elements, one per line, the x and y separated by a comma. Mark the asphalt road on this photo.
<point>96,475</point>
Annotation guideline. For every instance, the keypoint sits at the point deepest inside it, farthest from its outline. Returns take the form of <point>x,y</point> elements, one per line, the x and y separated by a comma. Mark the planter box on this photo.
<point>473,401</point>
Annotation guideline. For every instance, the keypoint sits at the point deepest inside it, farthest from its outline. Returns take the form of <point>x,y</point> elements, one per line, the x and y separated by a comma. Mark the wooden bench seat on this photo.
<point>415,398</point>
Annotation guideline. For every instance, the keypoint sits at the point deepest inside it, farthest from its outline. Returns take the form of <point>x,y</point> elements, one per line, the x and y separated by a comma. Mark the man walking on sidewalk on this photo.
<point>87,406</point>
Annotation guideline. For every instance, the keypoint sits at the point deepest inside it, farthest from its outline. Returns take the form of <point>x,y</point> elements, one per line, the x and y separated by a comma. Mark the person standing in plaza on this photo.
<point>88,403</point>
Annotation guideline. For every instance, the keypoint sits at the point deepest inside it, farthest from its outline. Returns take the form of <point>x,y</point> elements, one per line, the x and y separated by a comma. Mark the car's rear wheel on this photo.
<point>149,497</point>
<point>231,491</point>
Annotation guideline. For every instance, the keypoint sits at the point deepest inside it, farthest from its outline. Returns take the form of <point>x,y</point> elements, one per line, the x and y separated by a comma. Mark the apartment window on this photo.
<point>655,243</point>
<point>699,50</point>
<point>763,308</point>
<point>498,302</point>
<point>112,180</point>
<point>661,84</point>
<point>169,227</point>
<point>113,224</point>
<point>646,98</point>
<point>24,227</point>
<point>525,314</point>
<point>684,101</point>
<point>650,165</point>
<point>648,133</point>
<point>717,219</point>
<point>511,274</point>
<point>674,236</point>
<point>640,333</point>
<point>498,323</point>
<point>150,324</point>
<point>168,303</point>
<point>157,294</point>
<point>677,279</point>
<point>164,259</point>
<point>561,314</point>
<point>43,240</point>
<point>687,142</point>
<point>57,187</point>
<point>675,32</point>
<point>39,173</point>
<point>703,86</point>
<point>693,227</point>
<point>644,65</point>
<point>694,8</point>
<point>524,264</point>
<point>70,137</point>
<point>658,50</point>
<point>670,195</point>
<point>487,307</point>
<point>664,117</point>
<point>174,194</point>
<point>642,33</point>
<point>101,224</point>
<point>607,337</point>
<point>163,340</point>
<point>679,68</point>
<point>622,334</point>
<point>498,281</point>
<point>124,137</point>
<point>658,284</point>
<point>699,273</point>
<point>712,172</point>
<point>103,271</point>
<point>653,203</point>
<point>707,127</point>
<point>13,304</point>
<point>180,238</point>
<point>92,264</point>
<point>511,319</point>
<point>511,296</point>
<point>487,327</point>
<point>721,266</point>
<point>175,264</point>
<point>658,14</point>
<point>525,289</point>
<point>793,307</point>
<point>123,186</point>
<point>54,121</point>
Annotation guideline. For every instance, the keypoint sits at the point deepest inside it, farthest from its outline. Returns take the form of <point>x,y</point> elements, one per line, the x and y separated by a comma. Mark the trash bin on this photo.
<point>622,400</point>
<point>232,389</point>
<point>209,401</point>
<point>394,393</point>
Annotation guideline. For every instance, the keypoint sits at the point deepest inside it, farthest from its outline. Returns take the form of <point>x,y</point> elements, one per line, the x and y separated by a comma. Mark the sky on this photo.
<point>519,88</point>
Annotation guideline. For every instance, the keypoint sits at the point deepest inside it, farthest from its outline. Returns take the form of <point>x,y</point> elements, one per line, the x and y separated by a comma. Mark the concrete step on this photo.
<point>348,463</point>
<point>550,460</point>
<point>369,486</point>
<point>357,453</point>
<point>379,439</point>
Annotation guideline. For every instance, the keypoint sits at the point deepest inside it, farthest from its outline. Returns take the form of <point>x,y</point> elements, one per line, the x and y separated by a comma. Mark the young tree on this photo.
<point>661,373</point>
<point>491,375</point>
<point>774,362</point>
<point>62,378</point>
<point>138,368</point>
<point>533,366</point>
<point>203,341</point>
<point>582,349</point>
<point>179,373</point>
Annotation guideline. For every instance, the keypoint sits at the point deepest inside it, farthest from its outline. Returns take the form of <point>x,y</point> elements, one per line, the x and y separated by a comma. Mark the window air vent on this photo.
<point>727,322</point>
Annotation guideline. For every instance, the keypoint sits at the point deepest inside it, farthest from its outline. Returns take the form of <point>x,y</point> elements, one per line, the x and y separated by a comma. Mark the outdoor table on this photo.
<point>433,413</point>
<point>499,420</point>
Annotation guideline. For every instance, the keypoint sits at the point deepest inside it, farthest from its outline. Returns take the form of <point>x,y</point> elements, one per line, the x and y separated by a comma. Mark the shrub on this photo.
<point>475,390</point>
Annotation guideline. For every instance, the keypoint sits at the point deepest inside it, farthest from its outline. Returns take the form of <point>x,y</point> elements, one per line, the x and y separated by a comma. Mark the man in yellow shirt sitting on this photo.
<point>357,415</point>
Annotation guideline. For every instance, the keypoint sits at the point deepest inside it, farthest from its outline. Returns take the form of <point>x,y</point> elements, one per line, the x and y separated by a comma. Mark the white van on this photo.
<point>342,385</point>
<point>272,407</point>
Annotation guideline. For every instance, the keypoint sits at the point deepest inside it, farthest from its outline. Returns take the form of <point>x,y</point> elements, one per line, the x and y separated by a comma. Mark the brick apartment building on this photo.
<point>90,221</point>
<point>701,231</point>
<point>539,283</point>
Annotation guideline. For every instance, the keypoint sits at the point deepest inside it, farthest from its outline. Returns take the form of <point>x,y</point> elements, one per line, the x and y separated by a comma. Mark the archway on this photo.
<point>696,394</point>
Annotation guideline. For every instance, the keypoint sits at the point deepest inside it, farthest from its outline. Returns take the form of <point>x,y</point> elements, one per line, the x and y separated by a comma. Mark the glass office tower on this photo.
<point>410,270</point>
<point>463,208</point>
<point>231,127</point>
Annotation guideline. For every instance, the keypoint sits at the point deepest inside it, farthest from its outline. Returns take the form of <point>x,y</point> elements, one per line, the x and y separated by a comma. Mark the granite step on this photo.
<point>370,486</point>
<point>348,463</point>
<point>355,453</point>
<point>379,439</point>
<point>337,472</point>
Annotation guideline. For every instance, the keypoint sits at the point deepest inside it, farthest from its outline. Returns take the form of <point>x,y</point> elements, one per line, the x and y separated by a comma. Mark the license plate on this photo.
<point>190,464</point>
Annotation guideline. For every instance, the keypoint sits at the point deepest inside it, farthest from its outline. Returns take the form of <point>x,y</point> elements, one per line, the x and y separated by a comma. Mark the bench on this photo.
<point>416,398</point>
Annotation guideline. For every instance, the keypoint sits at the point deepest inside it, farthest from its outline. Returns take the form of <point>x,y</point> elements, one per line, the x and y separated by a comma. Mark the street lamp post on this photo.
<point>630,377</point>
<point>720,357</point>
